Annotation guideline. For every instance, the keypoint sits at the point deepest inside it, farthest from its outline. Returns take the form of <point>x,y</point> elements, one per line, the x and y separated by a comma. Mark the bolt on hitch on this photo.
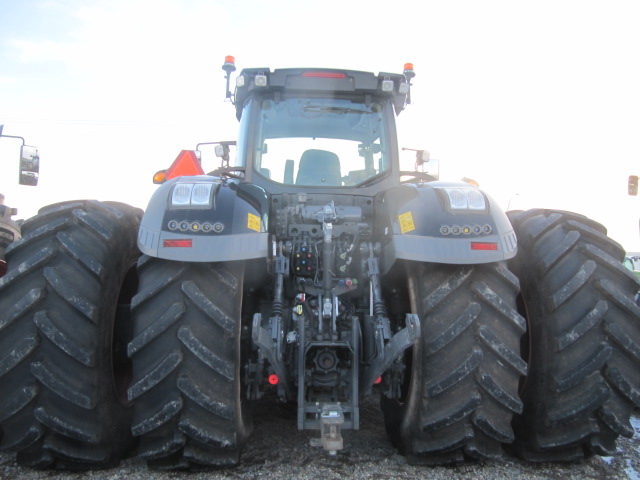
<point>331,421</point>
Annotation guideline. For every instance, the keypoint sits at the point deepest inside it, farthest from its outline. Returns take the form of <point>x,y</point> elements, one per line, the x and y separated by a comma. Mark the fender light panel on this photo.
<point>465,199</point>
<point>192,195</point>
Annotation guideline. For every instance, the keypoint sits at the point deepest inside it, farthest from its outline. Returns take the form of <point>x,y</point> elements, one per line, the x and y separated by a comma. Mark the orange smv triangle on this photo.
<point>186,164</point>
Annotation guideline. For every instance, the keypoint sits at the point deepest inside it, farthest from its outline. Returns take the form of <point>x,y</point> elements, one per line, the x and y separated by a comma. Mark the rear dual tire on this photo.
<point>63,335</point>
<point>189,411</point>
<point>462,388</point>
<point>583,340</point>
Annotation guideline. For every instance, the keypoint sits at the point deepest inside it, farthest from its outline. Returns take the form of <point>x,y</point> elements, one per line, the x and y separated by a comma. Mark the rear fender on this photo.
<point>419,224</point>
<point>232,226</point>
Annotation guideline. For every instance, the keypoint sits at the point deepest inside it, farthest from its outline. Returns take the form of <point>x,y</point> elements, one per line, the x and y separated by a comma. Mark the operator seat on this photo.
<point>319,167</point>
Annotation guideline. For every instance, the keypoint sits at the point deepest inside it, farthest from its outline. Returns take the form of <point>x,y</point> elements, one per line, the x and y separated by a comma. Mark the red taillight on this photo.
<point>185,165</point>
<point>484,246</point>
<point>324,75</point>
<point>273,379</point>
<point>378,381</point>
<point>180,243</point>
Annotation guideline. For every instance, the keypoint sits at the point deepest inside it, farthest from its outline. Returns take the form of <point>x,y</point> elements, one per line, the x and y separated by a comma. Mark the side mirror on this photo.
<point>29,165</point>
<point>222,151</point>
<point>422,157</point>
<point>633,185</point>
<point>432,167</point>
<point>425,164</point>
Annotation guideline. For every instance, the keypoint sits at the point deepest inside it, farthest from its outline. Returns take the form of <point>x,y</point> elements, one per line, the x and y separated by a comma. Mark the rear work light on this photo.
<point>260,80</point>
<point>387,85</point>
<point>181,195</point>
<point>201,194</point>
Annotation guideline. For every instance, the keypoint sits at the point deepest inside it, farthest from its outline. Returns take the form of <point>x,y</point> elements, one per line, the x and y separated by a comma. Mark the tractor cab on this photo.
<point>318,128</point>
<point>314,130</point>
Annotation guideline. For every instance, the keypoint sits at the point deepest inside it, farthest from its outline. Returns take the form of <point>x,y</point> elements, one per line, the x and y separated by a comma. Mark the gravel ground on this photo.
<point>277,450</point>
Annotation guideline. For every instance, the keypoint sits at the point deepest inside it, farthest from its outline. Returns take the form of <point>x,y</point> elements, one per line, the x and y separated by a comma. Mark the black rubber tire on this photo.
<point>63,312</point>
<point>186,352</point>
<point>462,391</point>
<point>584,337</point>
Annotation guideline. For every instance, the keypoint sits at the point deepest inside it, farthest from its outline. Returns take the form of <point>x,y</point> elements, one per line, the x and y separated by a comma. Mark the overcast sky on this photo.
<point>539,101</point>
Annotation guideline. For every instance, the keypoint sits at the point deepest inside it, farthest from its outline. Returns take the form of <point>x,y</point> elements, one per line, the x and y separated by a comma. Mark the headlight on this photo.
<point>461,198</point>
<point>191,195</point>
<point>201,194</point>
<point>181,196</point>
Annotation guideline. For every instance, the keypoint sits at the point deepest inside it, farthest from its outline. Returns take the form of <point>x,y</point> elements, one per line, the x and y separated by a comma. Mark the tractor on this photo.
<point>311,268</point>
<point>9,231</point>
<point>29,171</point>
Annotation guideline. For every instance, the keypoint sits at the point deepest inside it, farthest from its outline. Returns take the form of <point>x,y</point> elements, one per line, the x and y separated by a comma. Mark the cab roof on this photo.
<point>319,81</point>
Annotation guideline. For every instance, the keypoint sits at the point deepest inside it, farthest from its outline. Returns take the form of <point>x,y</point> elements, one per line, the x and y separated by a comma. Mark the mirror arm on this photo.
<point>13,136</point>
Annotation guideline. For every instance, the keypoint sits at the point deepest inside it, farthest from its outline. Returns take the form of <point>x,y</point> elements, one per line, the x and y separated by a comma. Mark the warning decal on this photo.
<point>406,222</point>
<point>253,222</point>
